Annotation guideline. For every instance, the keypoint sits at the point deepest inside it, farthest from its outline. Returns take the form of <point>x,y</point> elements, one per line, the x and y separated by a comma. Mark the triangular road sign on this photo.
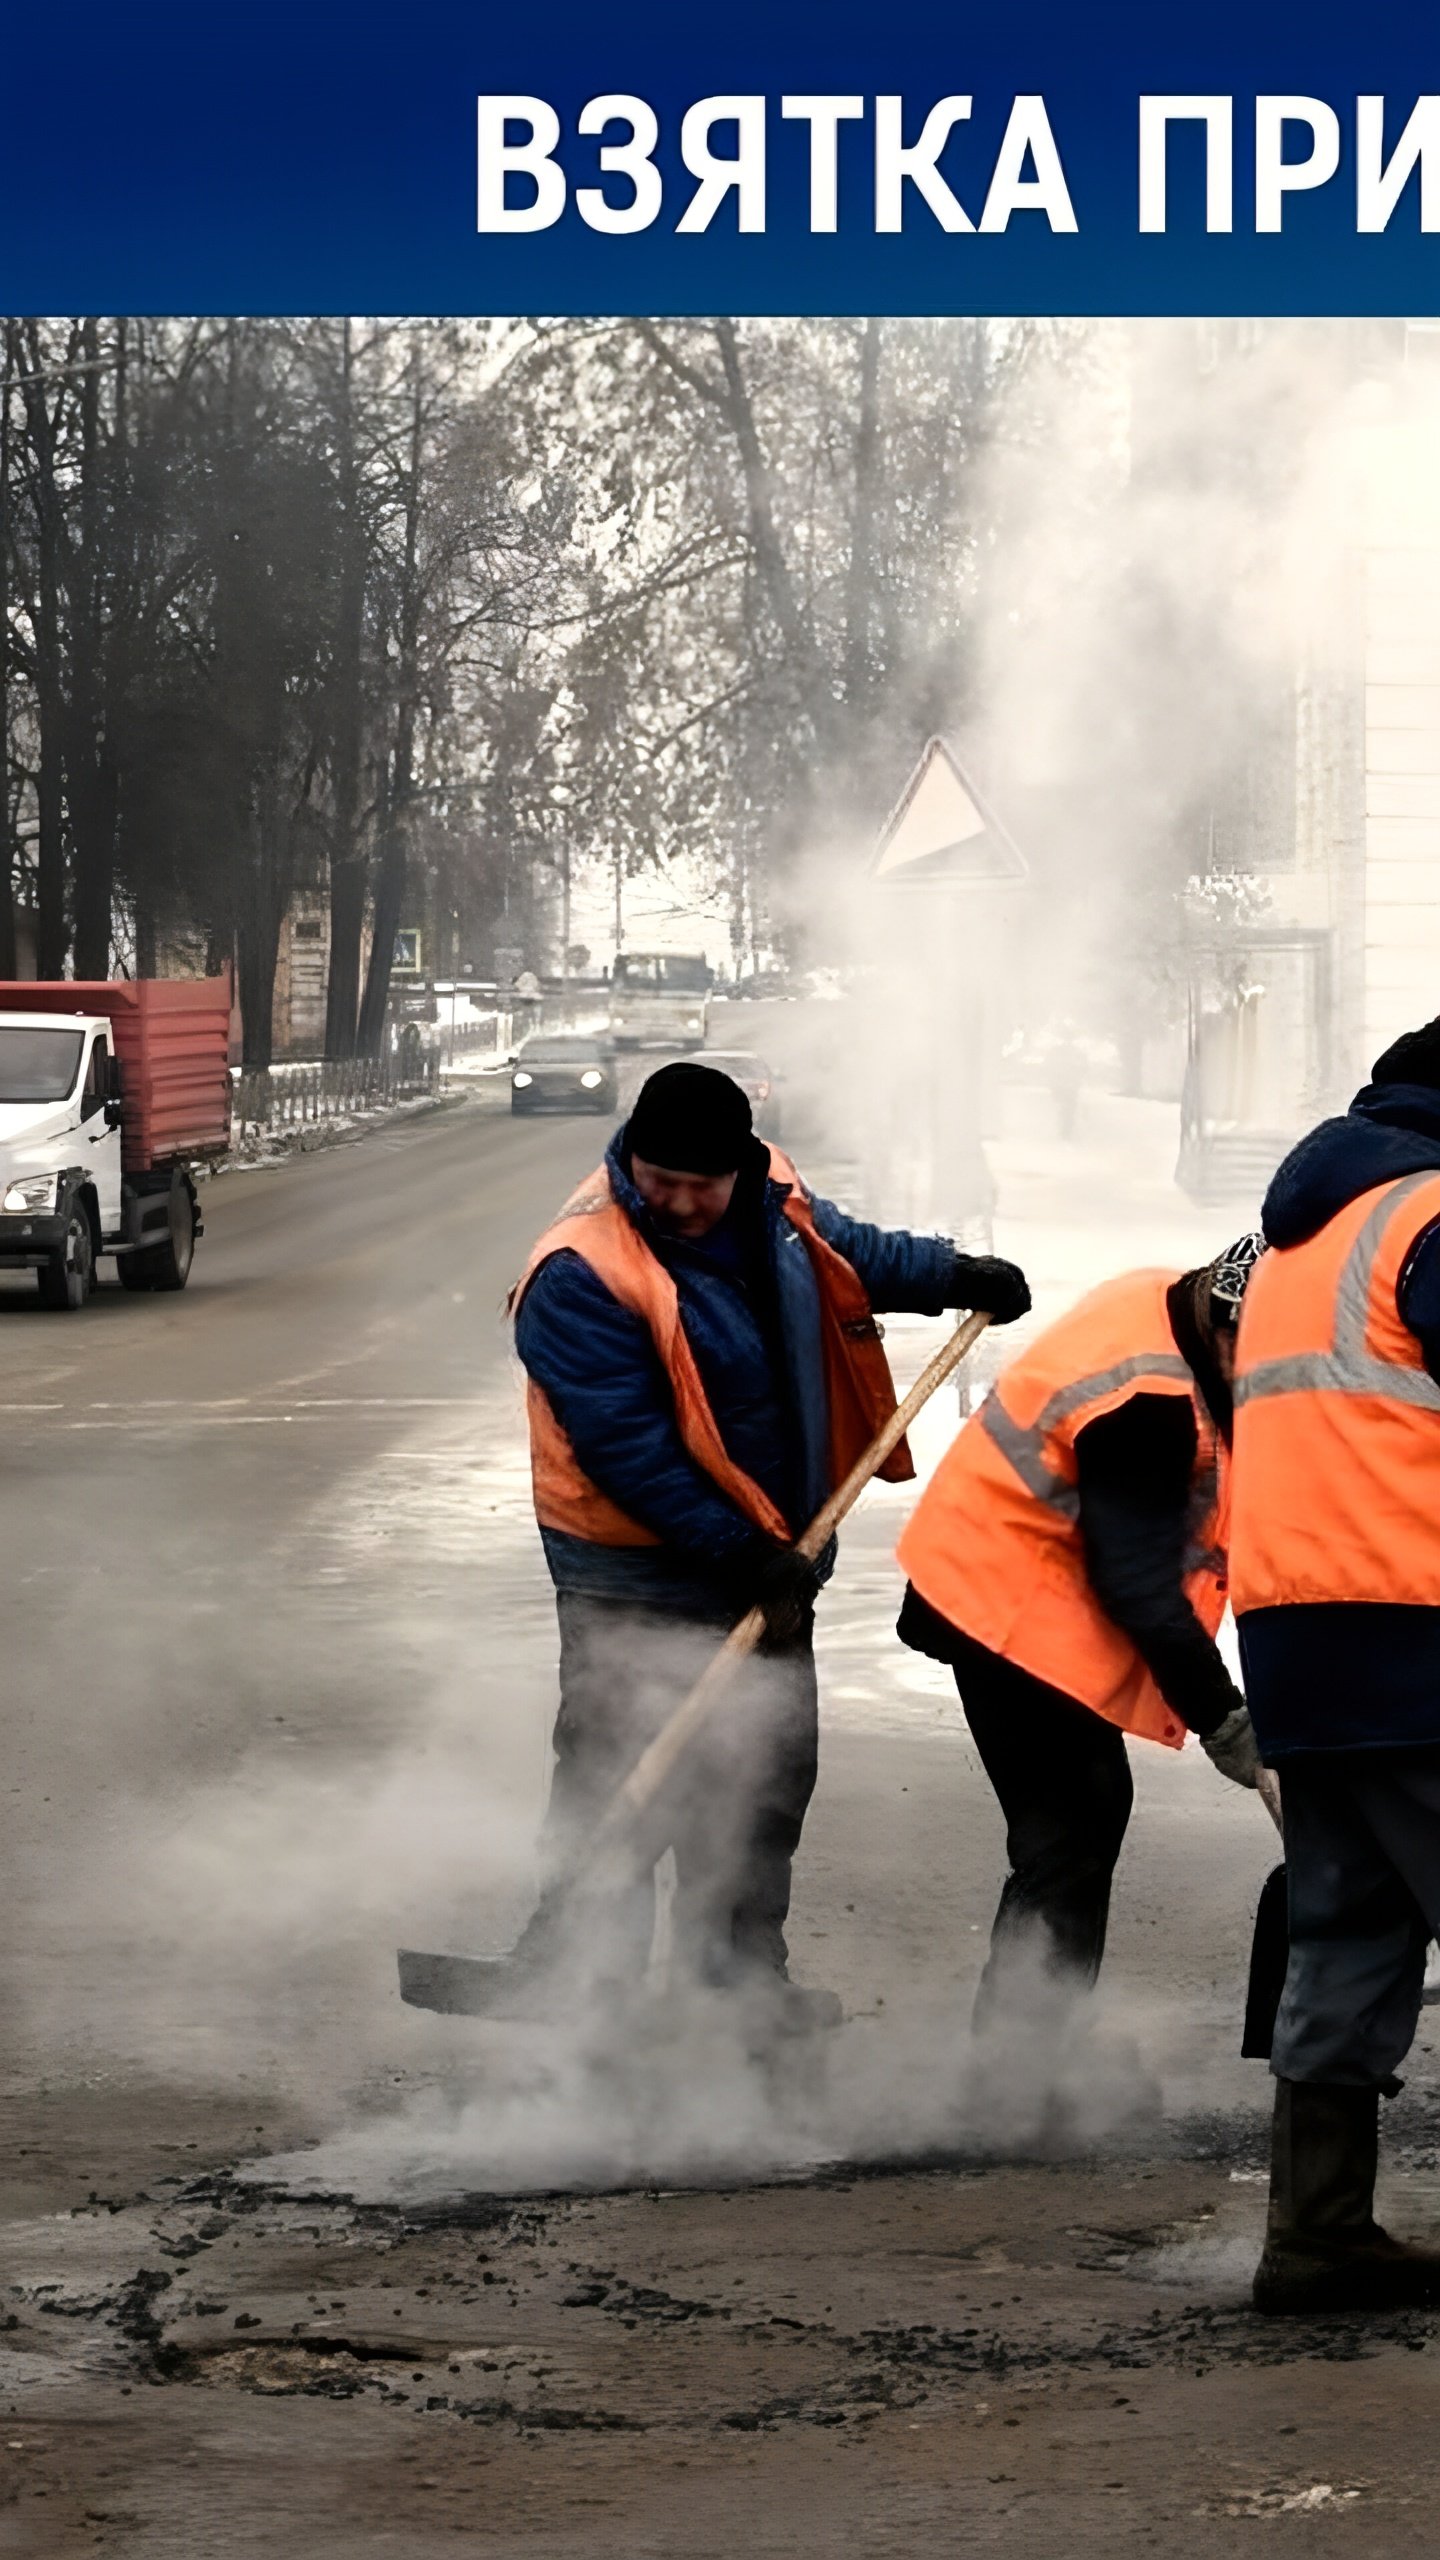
<point>941,828</point>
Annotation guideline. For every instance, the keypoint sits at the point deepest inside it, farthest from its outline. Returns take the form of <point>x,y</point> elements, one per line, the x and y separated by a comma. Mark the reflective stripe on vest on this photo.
<point>1025,1447</point>
<point>1337,1482</point>
<point>1025,1450</point>
<point>995,1542</point>
<point>1347,1368</point>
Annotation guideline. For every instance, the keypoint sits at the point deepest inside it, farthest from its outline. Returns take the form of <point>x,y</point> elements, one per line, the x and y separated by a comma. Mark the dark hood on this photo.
<point>1389,1130</point>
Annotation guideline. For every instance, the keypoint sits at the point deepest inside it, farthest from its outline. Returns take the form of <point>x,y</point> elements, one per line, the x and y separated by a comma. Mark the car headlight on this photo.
<point>591,1078</point>
<point>694,1022</point>
<point>521,1080</point>
<point>31,1192</point>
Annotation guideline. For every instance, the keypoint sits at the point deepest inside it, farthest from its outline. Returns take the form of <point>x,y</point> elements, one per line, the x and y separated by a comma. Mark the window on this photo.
<point>663,972</point>
<point>556,1050</point>
<point>37,1064</point>
<point>96,1078</point>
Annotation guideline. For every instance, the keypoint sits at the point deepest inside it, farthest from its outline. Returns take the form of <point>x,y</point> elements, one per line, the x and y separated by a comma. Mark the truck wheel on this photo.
<point>66,1282</point>
<point>167,1265</point>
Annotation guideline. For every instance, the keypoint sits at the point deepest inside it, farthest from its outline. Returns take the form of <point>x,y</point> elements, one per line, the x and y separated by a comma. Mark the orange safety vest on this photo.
<point>994,1542</point>
<point>860,1389</point>
<point>1337,1419</point>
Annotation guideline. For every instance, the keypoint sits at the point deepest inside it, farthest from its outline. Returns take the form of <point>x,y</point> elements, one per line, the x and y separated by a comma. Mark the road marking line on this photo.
<point>229,1407</point>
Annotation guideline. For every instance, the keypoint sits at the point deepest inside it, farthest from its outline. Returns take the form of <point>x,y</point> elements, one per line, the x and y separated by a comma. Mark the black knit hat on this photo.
<point>689,1119</point>
<point>1412,1059</point>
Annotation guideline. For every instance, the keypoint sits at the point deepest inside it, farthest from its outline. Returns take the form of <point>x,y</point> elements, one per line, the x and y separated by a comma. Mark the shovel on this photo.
<point>1269,1951</point>
<point>512,1985</point>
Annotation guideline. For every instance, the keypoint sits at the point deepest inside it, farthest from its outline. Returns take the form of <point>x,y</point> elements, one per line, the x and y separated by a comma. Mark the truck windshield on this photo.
<point>35,1065</point>
<point>662,972</point>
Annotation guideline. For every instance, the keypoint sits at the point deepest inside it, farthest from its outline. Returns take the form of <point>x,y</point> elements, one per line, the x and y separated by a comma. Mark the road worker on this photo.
<point>704,1367</point>
<point>1067,1559</point>
<point>1336,1561</point>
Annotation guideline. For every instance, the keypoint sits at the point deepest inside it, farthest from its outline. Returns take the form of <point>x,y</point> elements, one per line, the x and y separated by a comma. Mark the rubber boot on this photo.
<point>799,2010</point>
<point>1324,2250</point>
<point>744,1954</point>
<point>771,2002</point>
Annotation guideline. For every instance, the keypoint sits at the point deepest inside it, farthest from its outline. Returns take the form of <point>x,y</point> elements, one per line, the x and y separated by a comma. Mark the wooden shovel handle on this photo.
<point>660,1757</point>
<point>947,1359</point>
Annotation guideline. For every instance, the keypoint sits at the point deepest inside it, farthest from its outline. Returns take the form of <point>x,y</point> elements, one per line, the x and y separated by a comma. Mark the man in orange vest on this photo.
<point>1336,1567</point>
<point>704,1367</point>
<point>1067,1559</point>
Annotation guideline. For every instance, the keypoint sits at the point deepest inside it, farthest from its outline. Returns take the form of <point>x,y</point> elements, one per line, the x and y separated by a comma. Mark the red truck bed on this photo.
<point>172,1038</point>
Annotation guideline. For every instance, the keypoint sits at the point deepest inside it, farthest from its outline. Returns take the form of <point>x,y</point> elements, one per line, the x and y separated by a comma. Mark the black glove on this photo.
<point>983,1281</point>
<point>784,1587</point>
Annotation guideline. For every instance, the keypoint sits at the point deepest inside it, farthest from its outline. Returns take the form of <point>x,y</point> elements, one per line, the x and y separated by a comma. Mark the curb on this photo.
<point>317,1137</point>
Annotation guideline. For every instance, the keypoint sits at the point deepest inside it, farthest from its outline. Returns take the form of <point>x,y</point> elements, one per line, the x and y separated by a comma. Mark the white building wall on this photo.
<point>1401,977</point>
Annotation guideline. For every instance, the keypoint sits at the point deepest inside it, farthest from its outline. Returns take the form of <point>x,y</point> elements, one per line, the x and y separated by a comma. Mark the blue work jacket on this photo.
<point>750,1308</point>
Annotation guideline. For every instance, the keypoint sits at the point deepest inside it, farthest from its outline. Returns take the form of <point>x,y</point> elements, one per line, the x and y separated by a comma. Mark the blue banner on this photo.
<point>431,158</point>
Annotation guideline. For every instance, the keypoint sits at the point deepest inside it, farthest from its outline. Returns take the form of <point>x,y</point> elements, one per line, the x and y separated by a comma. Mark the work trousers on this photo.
<point>1063,1780</point>
<point>732,1813</point>
<point>1362,1865</point>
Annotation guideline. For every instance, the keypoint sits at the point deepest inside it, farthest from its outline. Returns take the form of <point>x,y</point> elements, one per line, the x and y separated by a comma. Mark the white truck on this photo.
<point>111,1091</point>
<point>659,1000</point>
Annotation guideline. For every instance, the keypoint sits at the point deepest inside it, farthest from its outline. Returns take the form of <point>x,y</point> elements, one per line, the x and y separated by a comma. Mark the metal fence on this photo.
<point>292,1097</point>
<point>492,1034</point>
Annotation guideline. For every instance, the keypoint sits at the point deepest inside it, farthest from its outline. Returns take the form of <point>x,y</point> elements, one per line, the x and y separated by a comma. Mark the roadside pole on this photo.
<point>946,872</point>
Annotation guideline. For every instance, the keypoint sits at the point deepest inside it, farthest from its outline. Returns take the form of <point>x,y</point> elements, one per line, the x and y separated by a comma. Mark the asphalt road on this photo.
<point>277,1678</point>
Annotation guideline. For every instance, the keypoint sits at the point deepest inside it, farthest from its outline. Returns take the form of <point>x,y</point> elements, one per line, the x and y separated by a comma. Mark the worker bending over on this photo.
<point>1337,1598</point>
<point>704,1369</point>
<point>1067,1559</point>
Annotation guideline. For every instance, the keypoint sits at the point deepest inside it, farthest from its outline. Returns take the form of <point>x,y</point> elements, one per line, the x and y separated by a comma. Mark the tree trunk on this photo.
<point>51,938</point>
<point>347,871</point>
<point>51,934</point>
<point>259,952</point>
<point>93,809</point>
<point>392,873</point>
<point>770,560</point>
<point>261,918</point>
<point>90,782</point>
<point>860,580</point>
<point>391,881</point>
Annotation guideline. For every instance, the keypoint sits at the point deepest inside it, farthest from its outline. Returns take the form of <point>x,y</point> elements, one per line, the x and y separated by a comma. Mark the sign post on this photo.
<point>951,860</point>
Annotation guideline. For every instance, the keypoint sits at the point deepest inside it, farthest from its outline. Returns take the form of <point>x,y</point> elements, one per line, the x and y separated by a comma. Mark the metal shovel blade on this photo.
<point>469,1986</point>
<point>1269,1960</point>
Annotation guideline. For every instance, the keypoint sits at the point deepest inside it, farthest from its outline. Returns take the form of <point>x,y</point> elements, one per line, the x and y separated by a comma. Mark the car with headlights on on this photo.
<point>563,1071</point>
